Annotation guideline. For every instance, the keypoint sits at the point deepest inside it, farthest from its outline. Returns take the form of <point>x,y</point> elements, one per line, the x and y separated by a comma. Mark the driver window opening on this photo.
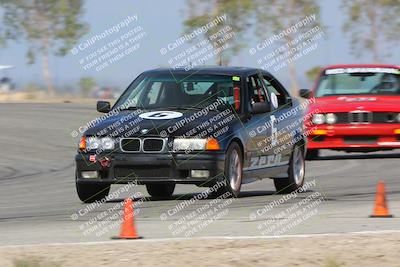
<point>280,94</point>
<point>257,92</point>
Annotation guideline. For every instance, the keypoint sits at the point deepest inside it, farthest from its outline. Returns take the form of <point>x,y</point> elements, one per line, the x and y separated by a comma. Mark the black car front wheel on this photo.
<point>89,193</point>
<point>296,173</point>
<point>233,170</point>
<point>160,191</point>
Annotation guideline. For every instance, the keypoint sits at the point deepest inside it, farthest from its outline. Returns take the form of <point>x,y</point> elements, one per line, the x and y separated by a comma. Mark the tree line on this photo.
<point>54,26</point>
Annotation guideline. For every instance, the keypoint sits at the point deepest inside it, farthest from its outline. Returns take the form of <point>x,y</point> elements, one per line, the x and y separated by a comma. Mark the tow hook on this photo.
<point>105,162</point>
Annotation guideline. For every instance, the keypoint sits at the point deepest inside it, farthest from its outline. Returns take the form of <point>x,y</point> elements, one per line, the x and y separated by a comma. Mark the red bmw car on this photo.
<point>354,108</point>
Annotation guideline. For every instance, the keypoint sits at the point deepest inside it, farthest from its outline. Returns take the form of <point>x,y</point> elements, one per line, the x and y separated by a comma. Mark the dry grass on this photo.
<point>317,251</point>
<point>34,262</point>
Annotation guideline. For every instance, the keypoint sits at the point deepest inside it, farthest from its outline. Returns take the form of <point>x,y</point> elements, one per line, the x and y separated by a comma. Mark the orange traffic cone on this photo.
<point>381,209</point>
<point>128,230</point>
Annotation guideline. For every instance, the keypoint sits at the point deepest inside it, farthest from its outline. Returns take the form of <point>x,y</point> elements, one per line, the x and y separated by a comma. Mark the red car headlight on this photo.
<point>318,119</point>
<point>330,118</point>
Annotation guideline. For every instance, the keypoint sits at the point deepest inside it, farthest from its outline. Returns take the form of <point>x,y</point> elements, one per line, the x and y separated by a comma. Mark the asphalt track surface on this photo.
<point>38,200</point>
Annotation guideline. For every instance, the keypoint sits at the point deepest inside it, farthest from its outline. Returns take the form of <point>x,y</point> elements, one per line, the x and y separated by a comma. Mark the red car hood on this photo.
<point>357,102</point>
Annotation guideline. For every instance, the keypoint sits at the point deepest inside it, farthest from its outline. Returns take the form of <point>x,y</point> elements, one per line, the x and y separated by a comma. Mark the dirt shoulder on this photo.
<point>329,251</point>
<point>42,98</point>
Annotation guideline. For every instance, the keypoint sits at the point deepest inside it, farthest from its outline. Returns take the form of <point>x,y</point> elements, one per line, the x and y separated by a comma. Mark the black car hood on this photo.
<point>159,123</point>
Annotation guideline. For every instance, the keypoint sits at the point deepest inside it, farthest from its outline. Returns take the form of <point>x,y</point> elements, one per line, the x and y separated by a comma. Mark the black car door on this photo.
<point>260,131</point>
<point>286,119</point>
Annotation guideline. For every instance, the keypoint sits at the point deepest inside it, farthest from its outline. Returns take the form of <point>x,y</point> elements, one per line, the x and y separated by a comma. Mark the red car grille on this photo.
<point>366,117</point>
<point>360,117</point>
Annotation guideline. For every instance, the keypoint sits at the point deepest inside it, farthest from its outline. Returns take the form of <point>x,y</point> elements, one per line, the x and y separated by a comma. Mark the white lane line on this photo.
<point>174,239</point>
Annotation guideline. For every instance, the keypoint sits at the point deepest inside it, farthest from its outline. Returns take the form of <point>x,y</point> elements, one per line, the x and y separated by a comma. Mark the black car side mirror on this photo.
<point>289,101</point>
<point>103,106</point>
<point>305,93</point>
<point>260,107</point>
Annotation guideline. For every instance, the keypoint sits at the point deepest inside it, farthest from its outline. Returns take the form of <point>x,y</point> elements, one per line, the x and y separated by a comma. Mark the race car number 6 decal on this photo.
<point>161,115</point>
<point>274,131</point>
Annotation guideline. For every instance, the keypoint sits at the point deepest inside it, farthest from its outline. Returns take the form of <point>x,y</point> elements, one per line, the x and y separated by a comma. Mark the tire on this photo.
<point>233,170</point>
<point>89,193</point>
<point>160,191</point>
<point>312,154</point>
<point>296,173</point>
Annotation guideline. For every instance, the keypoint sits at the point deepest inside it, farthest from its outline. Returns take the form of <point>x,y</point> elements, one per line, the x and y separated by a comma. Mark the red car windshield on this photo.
<point>346,82</point>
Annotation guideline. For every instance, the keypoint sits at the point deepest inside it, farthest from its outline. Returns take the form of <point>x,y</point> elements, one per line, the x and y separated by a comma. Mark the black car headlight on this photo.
<point>100,143</point>
<point>195,144</point>
<point>189,144</point>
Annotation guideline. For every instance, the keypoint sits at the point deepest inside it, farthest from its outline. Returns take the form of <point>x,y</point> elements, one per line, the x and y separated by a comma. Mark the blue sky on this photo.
<point>162,22</point>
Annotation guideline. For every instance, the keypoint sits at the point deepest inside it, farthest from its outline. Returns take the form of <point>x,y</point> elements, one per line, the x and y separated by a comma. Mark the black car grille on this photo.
<point>147,144</point>
<point>141,172</point>
<point>130,144</point>
<point>153,145</point>
<point>366,117</point>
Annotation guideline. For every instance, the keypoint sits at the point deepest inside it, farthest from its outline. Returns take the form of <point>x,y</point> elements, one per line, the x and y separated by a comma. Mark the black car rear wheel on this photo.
<point>296,173</point>
<point>160,191</point>
<point>89,193</point>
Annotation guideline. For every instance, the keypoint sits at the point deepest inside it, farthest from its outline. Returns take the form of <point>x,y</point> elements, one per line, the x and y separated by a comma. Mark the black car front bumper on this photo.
<point>146,168</point>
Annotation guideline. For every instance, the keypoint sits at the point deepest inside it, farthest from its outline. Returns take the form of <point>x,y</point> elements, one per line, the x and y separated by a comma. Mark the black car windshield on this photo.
<point>152,91</point>
<point>359,83</point>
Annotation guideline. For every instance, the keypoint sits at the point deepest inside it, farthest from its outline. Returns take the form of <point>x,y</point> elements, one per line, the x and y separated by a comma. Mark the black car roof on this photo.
<point>217,70</point>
